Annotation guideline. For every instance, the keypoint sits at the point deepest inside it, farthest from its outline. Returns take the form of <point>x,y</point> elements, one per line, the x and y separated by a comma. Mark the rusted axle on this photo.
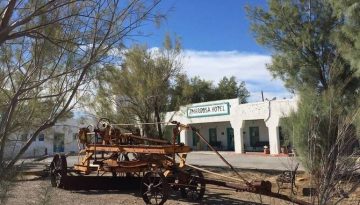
<point>147,139</point>
<point>256,187</point>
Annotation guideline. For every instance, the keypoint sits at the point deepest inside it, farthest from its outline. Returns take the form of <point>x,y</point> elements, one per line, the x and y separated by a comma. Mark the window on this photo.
<point>24,137</point>
<point>59,145</point>
<point>41,137</point>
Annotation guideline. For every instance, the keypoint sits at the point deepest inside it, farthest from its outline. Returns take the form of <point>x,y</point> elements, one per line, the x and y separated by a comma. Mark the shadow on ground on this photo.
<point>94,186</point>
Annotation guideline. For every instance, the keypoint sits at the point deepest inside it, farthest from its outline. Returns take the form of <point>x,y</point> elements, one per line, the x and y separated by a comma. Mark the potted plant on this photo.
<point>284,146</point>
<point>266,150</point>
<point>284,150</point>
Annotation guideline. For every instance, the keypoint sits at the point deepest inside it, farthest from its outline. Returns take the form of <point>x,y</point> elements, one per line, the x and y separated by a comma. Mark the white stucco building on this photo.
<point>229,125</point>
<point>226,124</point>
<point>61,138</point>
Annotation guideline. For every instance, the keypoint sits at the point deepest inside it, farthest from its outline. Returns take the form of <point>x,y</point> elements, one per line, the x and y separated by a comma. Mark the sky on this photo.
<point>217,42</point>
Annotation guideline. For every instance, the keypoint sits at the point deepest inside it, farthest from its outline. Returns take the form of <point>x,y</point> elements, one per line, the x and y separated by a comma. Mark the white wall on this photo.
<point>266,113</point>
<point>221,133</point>
<point>263,130</point>
<point>68,127</point>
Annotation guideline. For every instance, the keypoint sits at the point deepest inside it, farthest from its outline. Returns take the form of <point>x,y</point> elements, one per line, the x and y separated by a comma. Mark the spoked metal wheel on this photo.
<point>58,171</point>
<point>154,188</point>
<point>195,186</point>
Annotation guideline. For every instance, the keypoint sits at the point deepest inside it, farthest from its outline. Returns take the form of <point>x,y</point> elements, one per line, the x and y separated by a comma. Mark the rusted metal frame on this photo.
<point>147,139</point>
<point>257,187</point>
<point>141,149</point>
<point>262,187</point>
<point>214,173</point>
<point>83,168</point>
<point>231,185</point>
<point>128,169</point>
<point>211,147</point>
<point>131,135</point>
<point>218,154</point>
<point>182,158</point>
<point>87,158</point>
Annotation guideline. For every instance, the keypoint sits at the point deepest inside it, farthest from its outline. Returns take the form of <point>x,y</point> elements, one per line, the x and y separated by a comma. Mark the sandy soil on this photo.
<point>39,191</point>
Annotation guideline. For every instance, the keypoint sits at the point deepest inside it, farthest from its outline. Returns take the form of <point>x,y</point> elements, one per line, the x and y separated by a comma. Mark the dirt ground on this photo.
<point>39,191</point>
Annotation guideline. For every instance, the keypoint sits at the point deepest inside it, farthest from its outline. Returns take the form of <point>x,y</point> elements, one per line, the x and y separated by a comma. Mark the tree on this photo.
<point>243,93</point>
<point>195,90</point>
<point>202,90</point>
<point>308,60</point>
<point>142,86</point>
<point>347,38</point>
<point>228,88</point>
<point>180,93</point>
<point>49,52</point>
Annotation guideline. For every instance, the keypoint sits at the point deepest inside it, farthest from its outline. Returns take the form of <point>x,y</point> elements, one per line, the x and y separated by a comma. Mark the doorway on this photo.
<point>212,136</point>
<point>59,142</point>
<point>230,139</point>
<point>254,136</point>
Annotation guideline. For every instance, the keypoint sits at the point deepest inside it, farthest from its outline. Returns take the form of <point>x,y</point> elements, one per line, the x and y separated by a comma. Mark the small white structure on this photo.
<point>229,125</point>
<point>61,138</point>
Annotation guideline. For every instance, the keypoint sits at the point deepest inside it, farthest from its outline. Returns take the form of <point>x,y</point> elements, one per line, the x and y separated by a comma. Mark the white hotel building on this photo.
<point>226,124</point>
<point>229,125</point>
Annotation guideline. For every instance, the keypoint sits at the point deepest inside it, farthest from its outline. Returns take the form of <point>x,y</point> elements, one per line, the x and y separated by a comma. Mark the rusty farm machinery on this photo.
<point>158,166</point>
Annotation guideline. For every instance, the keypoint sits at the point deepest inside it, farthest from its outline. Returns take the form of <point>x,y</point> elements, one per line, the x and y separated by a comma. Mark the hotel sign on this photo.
<point>208,110</point>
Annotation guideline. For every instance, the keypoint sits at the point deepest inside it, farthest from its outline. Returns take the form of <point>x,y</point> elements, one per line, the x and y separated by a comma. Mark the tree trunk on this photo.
<point>158,120</point>
<point>5,122</point>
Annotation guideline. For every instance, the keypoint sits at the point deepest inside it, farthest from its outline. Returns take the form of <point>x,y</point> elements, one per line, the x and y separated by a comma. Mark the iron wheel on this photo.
<point>58,171</point>
<point>195,188</point>
<point>154,188</point>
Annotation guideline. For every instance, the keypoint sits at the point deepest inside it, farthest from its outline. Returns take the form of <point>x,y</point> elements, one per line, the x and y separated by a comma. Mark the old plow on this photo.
<point>158,166</point>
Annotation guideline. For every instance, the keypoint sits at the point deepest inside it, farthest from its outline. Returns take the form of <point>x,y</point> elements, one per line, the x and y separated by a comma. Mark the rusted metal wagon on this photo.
<point>159,165</point>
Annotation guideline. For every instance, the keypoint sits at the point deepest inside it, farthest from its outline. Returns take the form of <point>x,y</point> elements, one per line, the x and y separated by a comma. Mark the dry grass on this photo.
<point>40,192</point>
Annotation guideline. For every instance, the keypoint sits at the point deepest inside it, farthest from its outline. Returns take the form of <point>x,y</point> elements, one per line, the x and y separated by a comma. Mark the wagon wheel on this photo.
<point>58,171</point>
<point>154,188</point>
<point>195,188</point>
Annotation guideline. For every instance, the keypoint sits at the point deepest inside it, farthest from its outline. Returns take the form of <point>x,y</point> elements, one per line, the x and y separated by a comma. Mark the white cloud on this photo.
<point>248,67</point>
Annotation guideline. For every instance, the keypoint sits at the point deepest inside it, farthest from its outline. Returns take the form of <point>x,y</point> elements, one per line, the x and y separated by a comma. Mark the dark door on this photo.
<point>195,139</point>
<point>230,139</point>
<point>212,136</point>
<point>254,136</point>
<point>59,142</point>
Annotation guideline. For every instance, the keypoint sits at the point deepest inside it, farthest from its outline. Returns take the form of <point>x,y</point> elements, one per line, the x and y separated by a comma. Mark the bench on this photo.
<point>287,177</point>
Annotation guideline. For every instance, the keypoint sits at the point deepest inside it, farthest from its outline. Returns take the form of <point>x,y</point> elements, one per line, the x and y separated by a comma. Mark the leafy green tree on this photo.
<point>310,63</point>
<point>202,90</point>
<point>180,93</point>
<point>141,87</point>
<point>195,90</point>
<point>49,50</point>
<point>347,38</point>
<point>228,88</point>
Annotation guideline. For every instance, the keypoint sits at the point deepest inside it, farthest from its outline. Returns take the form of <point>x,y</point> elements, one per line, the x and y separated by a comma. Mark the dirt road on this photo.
<point>40,192</point>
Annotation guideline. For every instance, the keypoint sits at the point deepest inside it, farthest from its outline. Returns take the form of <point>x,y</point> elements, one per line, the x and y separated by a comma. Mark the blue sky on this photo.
<point>217,42</point>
